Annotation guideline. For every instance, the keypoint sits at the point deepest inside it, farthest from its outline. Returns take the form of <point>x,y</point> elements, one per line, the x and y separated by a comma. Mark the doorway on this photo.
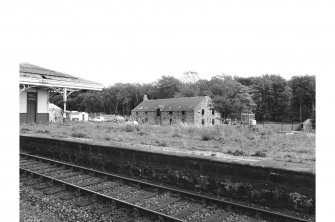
<point>158,120</point>
<point>31,107</point>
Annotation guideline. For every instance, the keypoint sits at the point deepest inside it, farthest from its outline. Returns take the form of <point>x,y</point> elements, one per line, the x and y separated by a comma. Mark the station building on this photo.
<point>36,84</point>
<point>191,110</point>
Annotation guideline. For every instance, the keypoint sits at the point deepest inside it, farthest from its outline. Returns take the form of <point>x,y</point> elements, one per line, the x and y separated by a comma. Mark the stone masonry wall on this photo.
<point>207,117</point>
<point>141,116</point>
<point>268,186</point>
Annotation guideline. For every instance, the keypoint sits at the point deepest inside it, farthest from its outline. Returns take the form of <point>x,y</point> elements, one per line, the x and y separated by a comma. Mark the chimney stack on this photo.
<point>145,97</point>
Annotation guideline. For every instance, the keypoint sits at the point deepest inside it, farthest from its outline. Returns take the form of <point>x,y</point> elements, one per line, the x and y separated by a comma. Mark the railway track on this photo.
<point>152,201</point>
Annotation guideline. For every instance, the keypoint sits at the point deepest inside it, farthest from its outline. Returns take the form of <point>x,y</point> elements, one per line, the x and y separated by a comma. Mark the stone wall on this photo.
<point>205,118</point>
<point>267,186</point>
<point>176,116</point>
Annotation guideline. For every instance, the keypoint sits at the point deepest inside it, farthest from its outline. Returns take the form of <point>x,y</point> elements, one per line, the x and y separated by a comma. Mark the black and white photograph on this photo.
<point>184,111</point>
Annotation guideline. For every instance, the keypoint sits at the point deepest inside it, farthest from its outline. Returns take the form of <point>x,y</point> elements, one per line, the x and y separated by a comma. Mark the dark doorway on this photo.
<point>31,107</point>
<point>159,120</point>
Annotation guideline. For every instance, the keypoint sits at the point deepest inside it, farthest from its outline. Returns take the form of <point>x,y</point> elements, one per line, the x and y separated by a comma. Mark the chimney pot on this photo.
<point>145,97</point>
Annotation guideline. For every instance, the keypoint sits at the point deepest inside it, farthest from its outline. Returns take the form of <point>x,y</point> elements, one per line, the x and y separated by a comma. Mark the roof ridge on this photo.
<point>179,97</point>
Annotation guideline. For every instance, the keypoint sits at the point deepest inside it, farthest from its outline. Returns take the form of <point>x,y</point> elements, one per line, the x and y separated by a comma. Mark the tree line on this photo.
<point>269,97</point>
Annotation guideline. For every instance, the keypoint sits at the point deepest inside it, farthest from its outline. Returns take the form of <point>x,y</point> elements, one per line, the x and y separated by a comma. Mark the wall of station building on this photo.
<point>42,105</point>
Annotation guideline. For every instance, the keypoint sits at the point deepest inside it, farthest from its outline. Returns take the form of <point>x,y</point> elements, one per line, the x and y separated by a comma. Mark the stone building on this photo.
<point>191,110</point>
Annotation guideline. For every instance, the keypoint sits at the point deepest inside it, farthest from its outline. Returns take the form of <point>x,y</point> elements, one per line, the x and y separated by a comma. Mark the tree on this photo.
<point>271,93</point>
<point>230,96</point>
<point>168,87</point>
<point>190,77</point>
<point>303,97</point>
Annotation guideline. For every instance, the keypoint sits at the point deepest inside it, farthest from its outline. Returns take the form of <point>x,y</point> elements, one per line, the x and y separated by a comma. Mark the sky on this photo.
<point>139,41</point>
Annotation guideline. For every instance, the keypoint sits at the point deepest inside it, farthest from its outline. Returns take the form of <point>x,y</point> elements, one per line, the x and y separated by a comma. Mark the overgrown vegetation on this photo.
<point>225,139</point>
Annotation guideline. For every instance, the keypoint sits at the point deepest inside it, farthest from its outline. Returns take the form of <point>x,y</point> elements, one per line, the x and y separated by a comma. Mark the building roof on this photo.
<point>171,104</point>
<point>54,107</point>
<point>38,76</point>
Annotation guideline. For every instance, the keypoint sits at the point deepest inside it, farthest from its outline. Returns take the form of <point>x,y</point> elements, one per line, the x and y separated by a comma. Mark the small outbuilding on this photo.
<point>78,116</point>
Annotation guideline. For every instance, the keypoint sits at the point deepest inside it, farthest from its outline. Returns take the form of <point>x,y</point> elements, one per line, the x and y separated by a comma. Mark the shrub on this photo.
<point>237,152</point>
<point>129,128</point>
<point>260,154</point>
<point>43,131</point>
<point>164,144</point>
<point>207,135</point>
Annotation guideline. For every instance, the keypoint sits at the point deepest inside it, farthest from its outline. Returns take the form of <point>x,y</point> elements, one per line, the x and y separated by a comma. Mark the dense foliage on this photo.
<point>270,97</point>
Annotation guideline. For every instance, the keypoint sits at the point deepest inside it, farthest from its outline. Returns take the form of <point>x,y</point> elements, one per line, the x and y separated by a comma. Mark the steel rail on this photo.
<point>253,210</point>
<point>145,211</point>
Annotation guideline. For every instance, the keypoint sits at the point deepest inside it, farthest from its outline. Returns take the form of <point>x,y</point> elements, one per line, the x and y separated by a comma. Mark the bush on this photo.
<point>237,153</point>
<point>129,128</point>
<point>207,135</point>
<point>260,154</point>
<point>43,131</point>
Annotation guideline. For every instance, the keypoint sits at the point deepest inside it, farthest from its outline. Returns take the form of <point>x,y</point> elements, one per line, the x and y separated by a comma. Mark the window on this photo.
<point>170,121</point>
<point>136,113</point>
<point>146,113</point>
<point>170,112</point>
<point>183,112</point>
<point>203,112</point>
<point>146,120</point>
<point>203,122</point>
<point>213,121</point>
<point>213,112</point>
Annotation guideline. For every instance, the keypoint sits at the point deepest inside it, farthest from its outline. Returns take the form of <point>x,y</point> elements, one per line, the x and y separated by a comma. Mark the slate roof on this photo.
<point>171,104</point>
<point>37,73</point>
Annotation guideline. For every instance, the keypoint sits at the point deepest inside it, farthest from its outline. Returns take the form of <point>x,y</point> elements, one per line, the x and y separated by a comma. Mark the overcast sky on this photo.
<point>139,41</point>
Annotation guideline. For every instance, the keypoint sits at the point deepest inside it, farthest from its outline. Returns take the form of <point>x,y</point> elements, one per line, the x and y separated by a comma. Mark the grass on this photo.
<point>232,140</point>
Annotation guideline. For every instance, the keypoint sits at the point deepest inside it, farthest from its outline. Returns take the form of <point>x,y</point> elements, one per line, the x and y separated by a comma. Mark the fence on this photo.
<point>285,126</point>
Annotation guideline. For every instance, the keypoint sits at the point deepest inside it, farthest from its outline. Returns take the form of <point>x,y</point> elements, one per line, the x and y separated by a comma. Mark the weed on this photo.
<point>129,128</point>
<point>207,135</point>
<point>42,131</point>
<point>237,152</point>
<point>141,133</point>
<point>164,144</point>
<point>259,154</point>
<point>78,135</point>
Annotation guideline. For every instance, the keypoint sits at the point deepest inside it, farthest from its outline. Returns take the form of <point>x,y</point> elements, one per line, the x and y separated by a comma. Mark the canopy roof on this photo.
<point>38,76</point>
<point>172,104</point>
